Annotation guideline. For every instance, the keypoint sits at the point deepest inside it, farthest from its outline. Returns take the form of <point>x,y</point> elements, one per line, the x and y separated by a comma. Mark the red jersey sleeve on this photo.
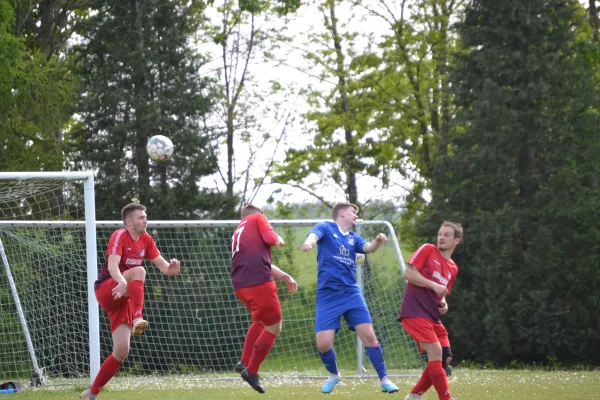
<point>267,233</point>
<point>117,242</point>
<point>420,256</point>
<point>151,250</point>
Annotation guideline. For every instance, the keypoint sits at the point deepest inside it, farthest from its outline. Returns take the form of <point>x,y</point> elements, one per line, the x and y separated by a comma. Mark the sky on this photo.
<point>294,74</point>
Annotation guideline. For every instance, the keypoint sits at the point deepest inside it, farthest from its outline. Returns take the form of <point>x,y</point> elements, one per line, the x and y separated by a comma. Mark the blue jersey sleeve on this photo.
<point>319,230</point>
<point>359,243</point>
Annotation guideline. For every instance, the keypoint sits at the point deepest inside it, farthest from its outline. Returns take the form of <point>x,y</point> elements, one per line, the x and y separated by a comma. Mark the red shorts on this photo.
<point>262,301</point>
<point>425,330</point>
<point>119,311</point>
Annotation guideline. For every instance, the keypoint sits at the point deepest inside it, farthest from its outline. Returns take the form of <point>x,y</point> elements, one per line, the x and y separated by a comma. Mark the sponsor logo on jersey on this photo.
<point>133,261</point>
<point>440,278</point>
<point>344,251</point>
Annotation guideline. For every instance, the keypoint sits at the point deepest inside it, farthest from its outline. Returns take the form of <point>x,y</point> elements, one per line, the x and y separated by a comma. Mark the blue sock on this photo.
<point>376,356</point>
<point>329,360</point>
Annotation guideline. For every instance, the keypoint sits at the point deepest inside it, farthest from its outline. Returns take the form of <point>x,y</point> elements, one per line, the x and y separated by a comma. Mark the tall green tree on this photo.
<point>522,175</point>
<point>139,79</point>
<point>37,95</point>
<point>246,34</point>
<point>340,146</point>
<point>411,98</point>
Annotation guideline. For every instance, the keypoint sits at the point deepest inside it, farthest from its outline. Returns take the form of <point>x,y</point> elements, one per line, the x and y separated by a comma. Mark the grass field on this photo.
<point>465,384</point>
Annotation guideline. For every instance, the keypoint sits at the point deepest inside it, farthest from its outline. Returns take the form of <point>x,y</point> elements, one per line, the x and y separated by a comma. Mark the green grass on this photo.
<point>465,384</point>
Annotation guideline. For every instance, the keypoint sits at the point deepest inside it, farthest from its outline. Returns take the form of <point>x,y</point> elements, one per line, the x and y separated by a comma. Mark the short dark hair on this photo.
<point>335,212</point>
<point>457,227</point>
<point>130,208</point>
<point>249,209</point>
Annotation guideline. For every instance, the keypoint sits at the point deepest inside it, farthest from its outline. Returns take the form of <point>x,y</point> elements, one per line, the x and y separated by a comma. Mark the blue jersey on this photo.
<point>336,257</point>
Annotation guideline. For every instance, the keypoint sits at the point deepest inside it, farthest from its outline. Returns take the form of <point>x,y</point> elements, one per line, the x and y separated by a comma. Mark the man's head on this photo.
<point>135,218</point>
<point>249,209</point>
<point>450,235</point>
<point>345,214</point>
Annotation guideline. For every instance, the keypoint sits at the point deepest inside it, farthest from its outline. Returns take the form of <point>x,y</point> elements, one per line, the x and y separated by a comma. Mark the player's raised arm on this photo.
<point>310,241</point>
<point>374,245</point>
<point>267,233</point>
<point>171,267</point>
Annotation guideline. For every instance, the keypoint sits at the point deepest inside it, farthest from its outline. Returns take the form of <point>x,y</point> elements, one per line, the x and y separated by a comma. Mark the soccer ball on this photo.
<point>159,148</point>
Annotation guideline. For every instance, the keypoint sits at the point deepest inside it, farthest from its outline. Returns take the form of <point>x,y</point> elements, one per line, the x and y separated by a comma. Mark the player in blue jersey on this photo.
<point>338,293</point>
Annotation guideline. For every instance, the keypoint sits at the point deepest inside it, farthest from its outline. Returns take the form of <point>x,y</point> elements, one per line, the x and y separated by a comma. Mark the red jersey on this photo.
<point>132,252</point>
<point>420,302</point>
<point>251,252</point>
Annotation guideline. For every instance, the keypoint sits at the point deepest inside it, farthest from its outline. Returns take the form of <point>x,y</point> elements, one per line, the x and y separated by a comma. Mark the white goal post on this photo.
<point>197,326</point>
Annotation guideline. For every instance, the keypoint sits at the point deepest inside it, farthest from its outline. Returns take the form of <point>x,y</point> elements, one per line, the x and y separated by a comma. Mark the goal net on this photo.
<point>197,325</point>
<point>45,329</point>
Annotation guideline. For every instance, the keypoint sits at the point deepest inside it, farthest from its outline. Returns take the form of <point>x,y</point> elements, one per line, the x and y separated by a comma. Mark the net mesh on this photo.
<point>197,325</point>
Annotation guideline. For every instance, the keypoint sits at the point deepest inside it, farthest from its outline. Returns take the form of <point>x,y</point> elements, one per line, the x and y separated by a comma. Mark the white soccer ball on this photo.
<point>159,148</point>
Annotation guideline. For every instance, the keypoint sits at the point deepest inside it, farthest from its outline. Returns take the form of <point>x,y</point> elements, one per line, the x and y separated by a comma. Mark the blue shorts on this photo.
<point>331,308</point>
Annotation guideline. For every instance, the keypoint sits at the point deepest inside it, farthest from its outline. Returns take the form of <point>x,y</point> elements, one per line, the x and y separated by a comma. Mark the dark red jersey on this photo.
<point>420,302</point>
<point>132,252</point>
<point>251,252</point>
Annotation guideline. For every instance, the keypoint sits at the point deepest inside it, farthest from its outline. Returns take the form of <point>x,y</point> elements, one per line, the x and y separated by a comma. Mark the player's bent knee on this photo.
<point>137,273</point>
<point>275,328</point>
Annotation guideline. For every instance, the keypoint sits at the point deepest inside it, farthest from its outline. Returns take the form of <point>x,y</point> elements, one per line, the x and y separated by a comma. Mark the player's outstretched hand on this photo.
<point>381,238</point>
<point>306,247</point>
<point>280,241</point>
<point>119,290</point>
<point>292,285</point>
<point>443,307</point>
<point>174,267</point>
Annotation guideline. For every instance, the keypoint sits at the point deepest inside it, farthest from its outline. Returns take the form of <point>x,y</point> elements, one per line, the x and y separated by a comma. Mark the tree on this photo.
<point>246,33</point>
<point>413,104</point>
<point>38,95</point>
<point>521,173</point>
<point>139,79</point>
<point>341,146</point>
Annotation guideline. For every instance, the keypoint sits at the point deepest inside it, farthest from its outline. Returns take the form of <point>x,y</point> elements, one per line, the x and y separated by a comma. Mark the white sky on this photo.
<point>290,76</point>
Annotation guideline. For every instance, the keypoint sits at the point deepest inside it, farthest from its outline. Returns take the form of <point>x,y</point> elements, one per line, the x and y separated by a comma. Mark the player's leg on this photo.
<point>324,340</point>
<point>255,330</point>
<point>327,323</point>
<point>119,315</point>
<point>110,366</point>
<point>436,371</point>
<point>252,335</point>
<point>359,319</point>
<point>442,335</point>
<point>266,309</point>
<point>135,278</point>
<point>421,330</point>
<point>264,344</point>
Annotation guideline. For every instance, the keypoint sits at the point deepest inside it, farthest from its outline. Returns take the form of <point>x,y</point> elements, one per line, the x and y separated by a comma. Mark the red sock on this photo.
<point>107,371</point>
<point>251,337</point>
<point>263,345</point>
<point>424,383</point>
<point>438,377</point>
<point>136,296</point>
